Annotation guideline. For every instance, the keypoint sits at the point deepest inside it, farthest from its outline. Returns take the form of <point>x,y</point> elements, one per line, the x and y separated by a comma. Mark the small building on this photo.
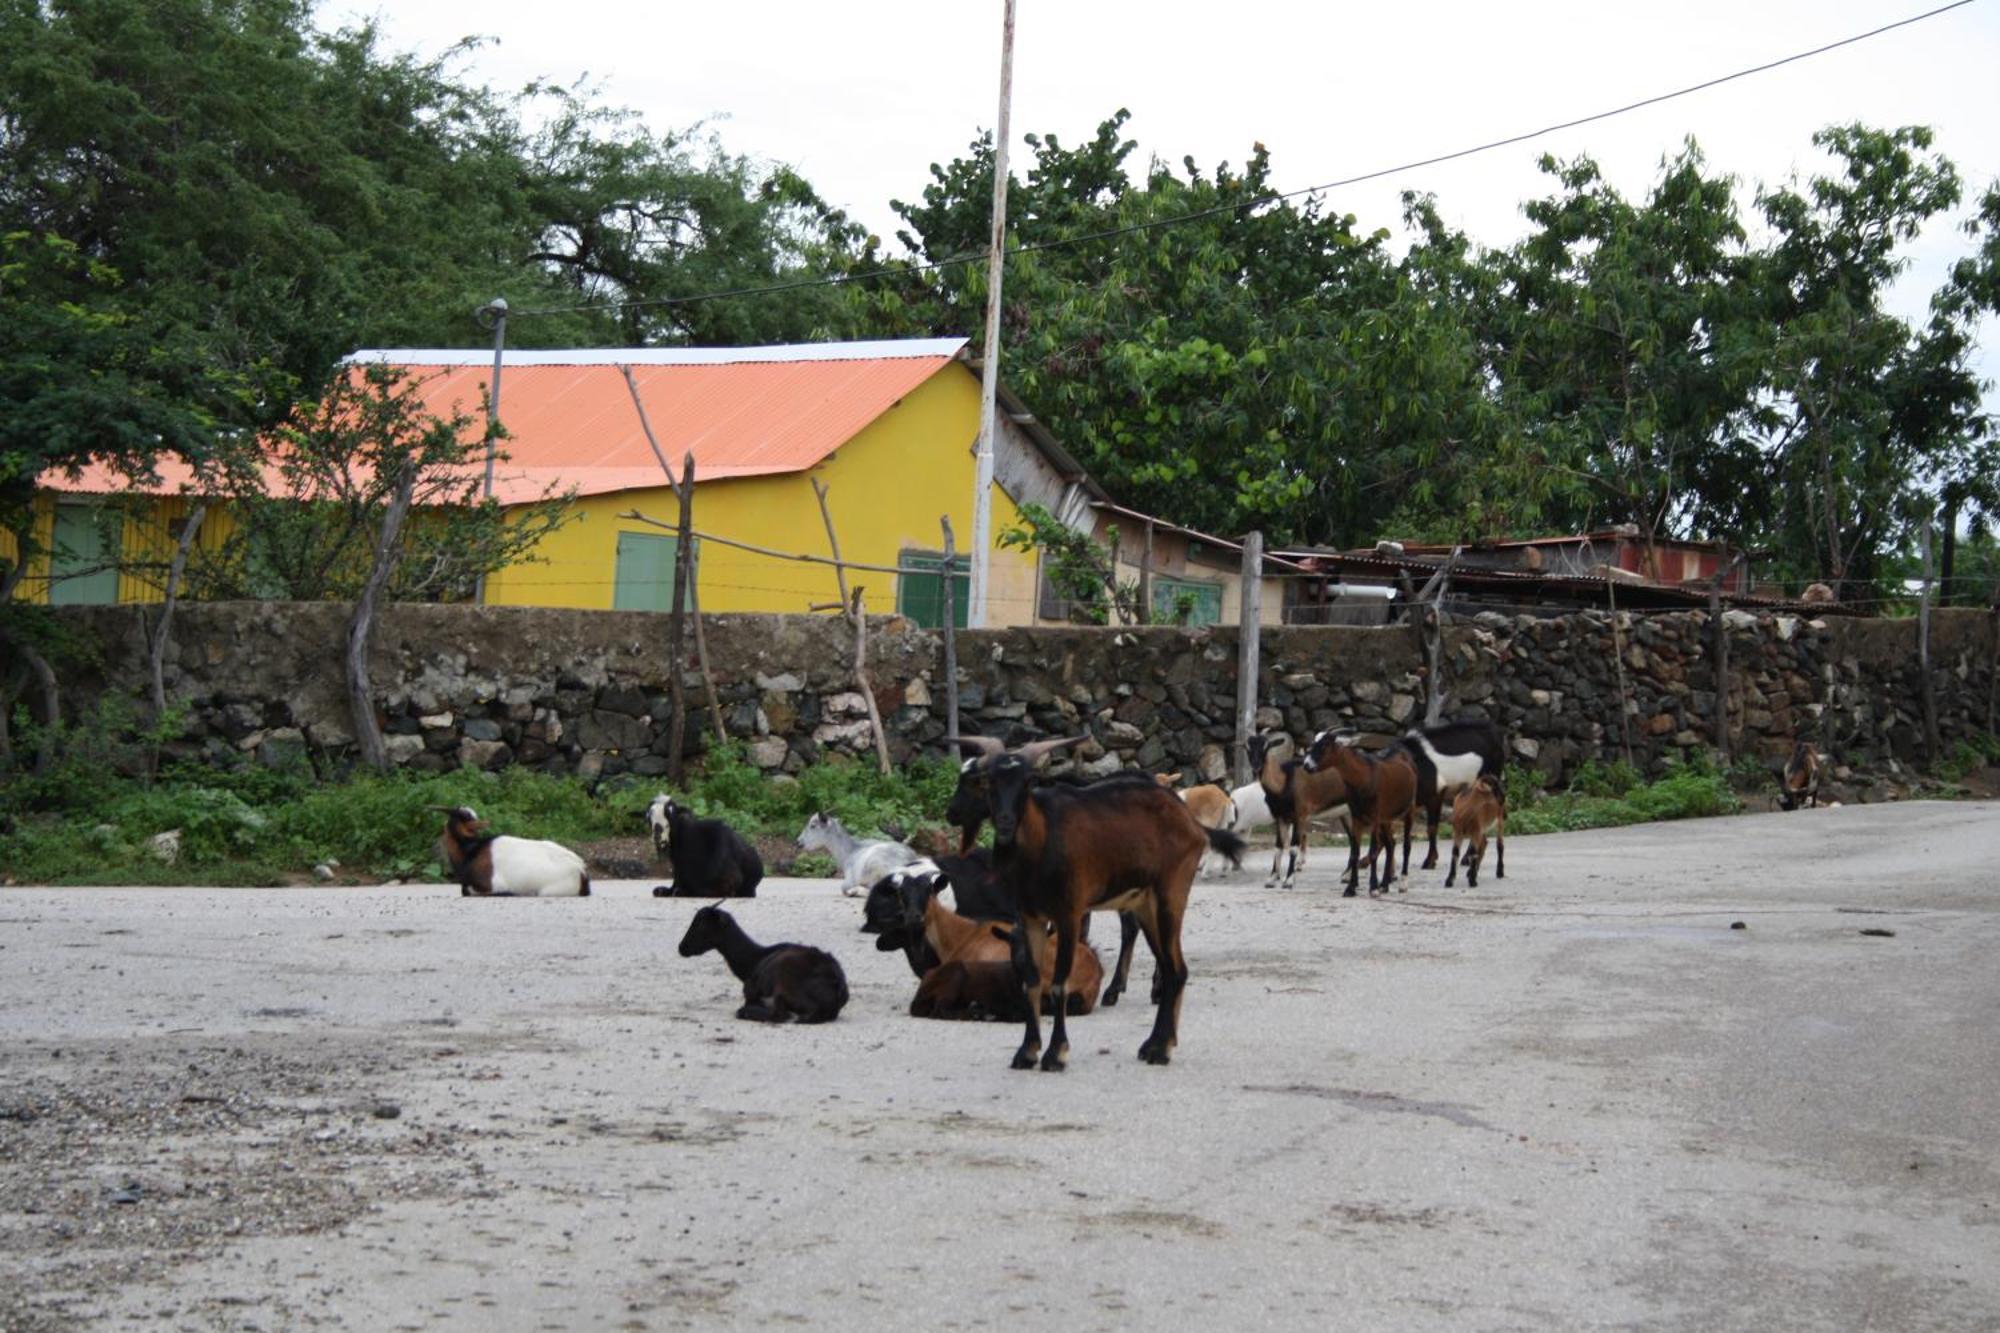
<point>888,427</point>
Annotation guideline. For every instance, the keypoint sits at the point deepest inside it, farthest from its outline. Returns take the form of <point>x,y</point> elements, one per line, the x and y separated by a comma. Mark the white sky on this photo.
<point>861,99</point>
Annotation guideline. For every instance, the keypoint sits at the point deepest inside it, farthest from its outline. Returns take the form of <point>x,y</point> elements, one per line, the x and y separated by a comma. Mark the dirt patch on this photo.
<point>121,1160</point>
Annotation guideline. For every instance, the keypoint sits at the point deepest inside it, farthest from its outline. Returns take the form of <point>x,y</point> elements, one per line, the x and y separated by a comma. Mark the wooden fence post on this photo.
<point>1246,654</point>
<point>1933,746</point>
<point>950,634</point>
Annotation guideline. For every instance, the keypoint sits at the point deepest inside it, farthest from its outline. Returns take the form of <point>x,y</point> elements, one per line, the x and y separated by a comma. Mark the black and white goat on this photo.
<point>781,982</point>
<point>711,859</point>
<point>498,866</point>
<point>1449,756</point>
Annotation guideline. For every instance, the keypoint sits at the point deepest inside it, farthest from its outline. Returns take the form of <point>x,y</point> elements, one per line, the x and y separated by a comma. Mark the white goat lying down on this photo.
<point>495,865</point>
<point>861,862</point>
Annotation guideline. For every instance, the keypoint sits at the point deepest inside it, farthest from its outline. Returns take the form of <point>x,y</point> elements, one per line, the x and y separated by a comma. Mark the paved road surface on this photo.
<point>1574,1097</point>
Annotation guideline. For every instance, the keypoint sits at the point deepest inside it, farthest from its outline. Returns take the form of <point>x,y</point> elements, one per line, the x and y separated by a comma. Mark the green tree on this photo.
<point>1629,350</point>
<point>1863,406</point>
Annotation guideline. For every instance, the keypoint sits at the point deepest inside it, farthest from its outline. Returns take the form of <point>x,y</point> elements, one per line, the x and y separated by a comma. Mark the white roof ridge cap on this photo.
<point>876,350</point>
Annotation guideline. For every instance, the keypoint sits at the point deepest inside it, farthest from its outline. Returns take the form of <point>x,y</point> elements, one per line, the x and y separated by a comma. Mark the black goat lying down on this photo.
<point>780,981</point>
<point>711,859</point>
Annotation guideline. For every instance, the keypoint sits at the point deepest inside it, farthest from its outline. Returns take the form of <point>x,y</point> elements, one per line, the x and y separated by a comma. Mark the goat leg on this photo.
<point>1056,1058</point>
<point>1165,926</point>
<point>1027,931</point>
<point>1128,929</point>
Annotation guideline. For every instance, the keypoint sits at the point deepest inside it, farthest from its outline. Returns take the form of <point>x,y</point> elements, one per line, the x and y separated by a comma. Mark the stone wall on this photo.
<point>586,692</point>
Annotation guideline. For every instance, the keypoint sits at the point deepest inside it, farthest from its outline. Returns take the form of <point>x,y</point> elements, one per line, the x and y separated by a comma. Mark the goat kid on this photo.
<point>1475,811</point>
<point>862,861</point>
<point>1381,789</point>
<point>498,866</point>
<point>1799,784</point>
<point>780,981</point>
<point>1063,852</point>
<point>711,859</point>
<point>981,943</point>
<point>1449,756</point>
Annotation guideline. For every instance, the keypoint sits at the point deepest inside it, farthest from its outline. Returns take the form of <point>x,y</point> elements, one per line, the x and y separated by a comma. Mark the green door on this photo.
<point>920,589</point>
<point>84,565</point>
<point>645,572</point>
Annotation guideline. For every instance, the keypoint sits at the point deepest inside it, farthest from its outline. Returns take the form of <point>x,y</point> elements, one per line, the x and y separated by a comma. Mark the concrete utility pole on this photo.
<point>496,311</point>
<point>989,371</point>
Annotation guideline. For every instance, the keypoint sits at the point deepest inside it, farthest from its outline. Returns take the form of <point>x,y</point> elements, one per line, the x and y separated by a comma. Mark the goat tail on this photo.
<point>1229,844</point>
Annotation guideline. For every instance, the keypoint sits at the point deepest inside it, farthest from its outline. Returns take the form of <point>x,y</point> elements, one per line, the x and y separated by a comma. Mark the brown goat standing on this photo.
<point>1064,852</point>
<point>1381,789</point>
<point>1800,784</point>
<point>1474,811</point>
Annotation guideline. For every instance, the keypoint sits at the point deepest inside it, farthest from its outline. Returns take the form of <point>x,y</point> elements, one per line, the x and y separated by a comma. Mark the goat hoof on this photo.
<point>1108,999</point>
<point>1156,1052</point>
<point>1347,892</point>
<point>1055,1062</point>
<point>1430,863</point>
<point>1024,1059</point>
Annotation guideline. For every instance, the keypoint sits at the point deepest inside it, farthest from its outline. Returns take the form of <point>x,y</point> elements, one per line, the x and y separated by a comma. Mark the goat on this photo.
<point>498,866</point>
<point>1448,756</point>
<point>1251,808</point>
<point>862,860</point>
<point>882,917</point>
<point>1208,802</point>
<point>711,859</point>
<point>967,812</point>
<point>1294,795</point>
<point>780,981</point>
<point>1799,784</point>
<point>957,939</point>
<point>1063,852</point>
<point>1475,810</point>
<point>1381,789</point>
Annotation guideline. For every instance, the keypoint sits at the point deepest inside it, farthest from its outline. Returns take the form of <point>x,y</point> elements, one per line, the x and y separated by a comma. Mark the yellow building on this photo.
<point>888,428</point>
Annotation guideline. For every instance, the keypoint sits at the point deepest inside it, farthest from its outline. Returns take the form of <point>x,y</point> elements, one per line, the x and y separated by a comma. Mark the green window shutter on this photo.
<point>920,590</point>
<point>645,578</point>
<point>83,567</point>
<point>1204,602</point>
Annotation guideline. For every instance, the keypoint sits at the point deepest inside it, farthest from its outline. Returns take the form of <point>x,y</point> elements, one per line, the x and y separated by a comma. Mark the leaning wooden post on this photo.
<point>1252,600</point>
<point>1434,643</point>
<point>857,616</point>
<point>156,656</point>
<point>1933,746</point>
<point>677,630</point>
<point>950,634</point>
<point>694,604</point>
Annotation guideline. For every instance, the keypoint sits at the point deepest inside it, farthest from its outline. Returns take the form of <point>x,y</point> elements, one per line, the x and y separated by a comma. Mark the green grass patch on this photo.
<point>84,823</point>
<point>1611,796</point>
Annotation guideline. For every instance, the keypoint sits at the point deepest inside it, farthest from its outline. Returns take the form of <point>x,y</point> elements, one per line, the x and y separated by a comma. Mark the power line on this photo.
<point>1256,201</point>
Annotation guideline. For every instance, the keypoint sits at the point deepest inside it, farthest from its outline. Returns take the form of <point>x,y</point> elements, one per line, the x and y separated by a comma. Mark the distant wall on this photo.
<point>586,692</point>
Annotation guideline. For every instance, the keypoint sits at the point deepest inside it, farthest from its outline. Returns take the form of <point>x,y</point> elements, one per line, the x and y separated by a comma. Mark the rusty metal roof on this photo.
<point>570,422</point>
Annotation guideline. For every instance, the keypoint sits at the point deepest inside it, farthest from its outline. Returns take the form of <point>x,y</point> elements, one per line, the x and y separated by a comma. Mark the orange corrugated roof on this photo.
<point>570,421</point>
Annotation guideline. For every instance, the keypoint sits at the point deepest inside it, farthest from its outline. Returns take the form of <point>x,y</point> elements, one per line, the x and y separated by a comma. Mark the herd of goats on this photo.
<point>1014,942</point>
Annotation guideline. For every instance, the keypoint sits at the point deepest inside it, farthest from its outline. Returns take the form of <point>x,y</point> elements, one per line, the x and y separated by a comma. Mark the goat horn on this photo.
<point>1033,751</point>
<point>984,744</point>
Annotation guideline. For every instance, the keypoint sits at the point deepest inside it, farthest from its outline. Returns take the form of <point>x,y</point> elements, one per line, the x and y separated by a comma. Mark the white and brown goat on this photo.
<point>498,866</point>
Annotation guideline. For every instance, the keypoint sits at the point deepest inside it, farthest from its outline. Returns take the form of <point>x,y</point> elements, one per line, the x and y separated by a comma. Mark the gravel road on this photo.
<point>1572,1097</point>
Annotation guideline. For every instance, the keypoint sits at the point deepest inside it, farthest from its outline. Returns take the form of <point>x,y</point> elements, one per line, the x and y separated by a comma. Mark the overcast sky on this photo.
<point>862,98</point>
